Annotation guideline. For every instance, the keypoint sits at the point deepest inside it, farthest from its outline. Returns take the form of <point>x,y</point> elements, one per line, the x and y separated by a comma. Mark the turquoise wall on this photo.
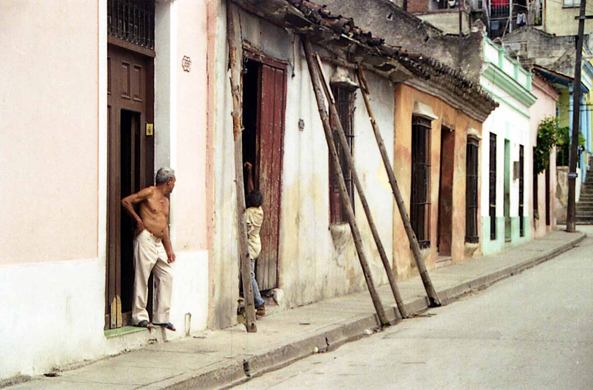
<point>492,246</point>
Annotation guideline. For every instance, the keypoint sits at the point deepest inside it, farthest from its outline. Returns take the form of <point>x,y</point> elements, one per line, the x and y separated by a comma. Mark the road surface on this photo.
<point>530,331</point>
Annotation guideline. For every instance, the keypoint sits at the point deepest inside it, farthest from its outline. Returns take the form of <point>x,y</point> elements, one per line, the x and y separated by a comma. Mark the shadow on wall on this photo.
<point>562,192</point>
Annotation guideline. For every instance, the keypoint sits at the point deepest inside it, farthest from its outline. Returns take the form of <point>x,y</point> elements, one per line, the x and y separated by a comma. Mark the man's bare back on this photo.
<point>153,207</point>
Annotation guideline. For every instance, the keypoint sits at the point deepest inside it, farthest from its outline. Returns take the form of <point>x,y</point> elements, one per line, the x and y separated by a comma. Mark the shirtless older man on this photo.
<point>152,249</point>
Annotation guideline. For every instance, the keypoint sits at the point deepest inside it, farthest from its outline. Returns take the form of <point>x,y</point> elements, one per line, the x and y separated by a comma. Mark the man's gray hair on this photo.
<point>163,175</point>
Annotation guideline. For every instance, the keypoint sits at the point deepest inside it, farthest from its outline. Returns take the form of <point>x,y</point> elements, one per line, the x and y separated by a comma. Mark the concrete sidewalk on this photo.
<point>215,359</point>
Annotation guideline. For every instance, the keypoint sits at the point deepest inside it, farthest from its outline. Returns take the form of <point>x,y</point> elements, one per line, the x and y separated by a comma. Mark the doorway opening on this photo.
<point>250,108</point>
<point>264,104</point>
<point>130,184</point>
<point>507,190</point>
<point>445,224</point>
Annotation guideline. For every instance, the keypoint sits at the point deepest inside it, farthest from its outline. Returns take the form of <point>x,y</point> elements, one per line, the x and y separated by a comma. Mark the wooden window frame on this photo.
<point>521,191</point>
<point>344,97</point>
<point>492,186</point>
<point>420,189</point>
<point>472,234</point>
<point>535,187</point>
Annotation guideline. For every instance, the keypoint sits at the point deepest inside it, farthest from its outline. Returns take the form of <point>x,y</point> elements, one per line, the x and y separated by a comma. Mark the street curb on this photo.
<point>454,293</point>
<point>281,357</point>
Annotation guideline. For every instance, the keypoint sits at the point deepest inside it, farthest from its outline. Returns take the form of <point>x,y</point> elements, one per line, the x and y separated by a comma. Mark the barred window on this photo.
<point>492,187</point>
<point>521,190</point>
<point>344,97</point>
<point>132,21</point>
<point>420,201</point>
<point>471,191</point>
<point>535,189</point>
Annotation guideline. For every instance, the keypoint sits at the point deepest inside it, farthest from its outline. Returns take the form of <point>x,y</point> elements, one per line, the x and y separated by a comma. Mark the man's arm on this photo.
<point>129,201</point>
<point>168,246</point>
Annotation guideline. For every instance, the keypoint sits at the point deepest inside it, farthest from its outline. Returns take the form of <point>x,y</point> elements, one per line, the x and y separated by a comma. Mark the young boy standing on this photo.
<point>254,217</point>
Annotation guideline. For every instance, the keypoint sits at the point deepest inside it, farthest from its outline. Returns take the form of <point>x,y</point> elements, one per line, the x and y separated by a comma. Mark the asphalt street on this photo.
<point>530,331</point>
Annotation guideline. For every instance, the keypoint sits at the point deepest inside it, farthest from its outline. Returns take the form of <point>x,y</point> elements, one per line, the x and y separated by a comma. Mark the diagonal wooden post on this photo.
<point>341,183</point>
<point>365,204</point>
<point>430,291</point>
<point>239,185</point>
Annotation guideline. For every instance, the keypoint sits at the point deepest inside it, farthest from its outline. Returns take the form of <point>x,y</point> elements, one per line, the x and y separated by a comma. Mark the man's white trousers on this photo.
<point>150,255</point>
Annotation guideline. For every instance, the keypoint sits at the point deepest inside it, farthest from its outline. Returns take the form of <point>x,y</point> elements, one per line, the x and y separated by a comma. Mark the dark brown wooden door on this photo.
<point>272,101</point>
<point>130,168</point>
<point>445,222</point>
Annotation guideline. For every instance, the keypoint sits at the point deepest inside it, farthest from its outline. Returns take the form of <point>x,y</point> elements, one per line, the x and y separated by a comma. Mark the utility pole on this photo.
<point>460,31</point>
<point>576,124</point>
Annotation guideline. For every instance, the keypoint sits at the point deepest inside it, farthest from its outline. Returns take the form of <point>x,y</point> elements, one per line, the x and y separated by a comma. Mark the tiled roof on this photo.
<point>418,64</point>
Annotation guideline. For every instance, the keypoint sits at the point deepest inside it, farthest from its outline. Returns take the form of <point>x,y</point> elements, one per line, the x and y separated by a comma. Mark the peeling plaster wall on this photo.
<point>405,97</point>
<point>316,261</point>
<point>224,266</point>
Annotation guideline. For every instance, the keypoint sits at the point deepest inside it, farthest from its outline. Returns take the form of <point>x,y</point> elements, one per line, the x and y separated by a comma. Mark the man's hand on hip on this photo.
<point>170,257</point>
<point>139,228</point>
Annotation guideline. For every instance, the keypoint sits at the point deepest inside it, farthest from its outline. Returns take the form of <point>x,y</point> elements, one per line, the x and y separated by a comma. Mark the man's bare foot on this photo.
<point>166,325</point>
<point>145,324</point>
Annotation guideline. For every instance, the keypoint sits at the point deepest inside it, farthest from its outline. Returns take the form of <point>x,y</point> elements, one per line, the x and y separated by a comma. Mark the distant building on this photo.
<point>508,151</point>
<point>553,57</point>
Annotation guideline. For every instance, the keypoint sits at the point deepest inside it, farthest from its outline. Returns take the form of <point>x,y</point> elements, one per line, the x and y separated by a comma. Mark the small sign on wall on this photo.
<point>186,64</point>
<point>149,129</point>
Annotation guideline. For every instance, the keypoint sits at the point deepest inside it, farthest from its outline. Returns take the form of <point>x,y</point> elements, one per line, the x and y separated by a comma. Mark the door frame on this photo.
<point>257,56</point>
<point>446,172</point>
<point>112,265</point>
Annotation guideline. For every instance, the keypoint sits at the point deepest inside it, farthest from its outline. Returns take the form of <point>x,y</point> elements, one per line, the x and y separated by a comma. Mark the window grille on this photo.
<point>132,21</point>
<point>420,201</point>
<point>345,106</point>
<point>535,190</point>
<point>492,187</point>
<point>471,192</point>
<point>521,190</point>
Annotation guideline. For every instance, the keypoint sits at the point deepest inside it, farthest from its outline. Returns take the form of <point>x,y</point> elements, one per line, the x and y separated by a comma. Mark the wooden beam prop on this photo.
<point>430,291</point>
<point>365,205</point>
<point>341,182</point>
<point>234,62</point>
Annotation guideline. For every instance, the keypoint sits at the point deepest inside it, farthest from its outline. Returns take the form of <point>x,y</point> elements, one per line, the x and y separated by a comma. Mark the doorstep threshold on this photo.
<point>111,333</point>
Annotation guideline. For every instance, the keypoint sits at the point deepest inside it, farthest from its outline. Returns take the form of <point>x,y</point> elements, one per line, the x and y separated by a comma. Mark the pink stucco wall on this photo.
<point>191,202</point>
<point>543,107</point>
<point>49,149</point>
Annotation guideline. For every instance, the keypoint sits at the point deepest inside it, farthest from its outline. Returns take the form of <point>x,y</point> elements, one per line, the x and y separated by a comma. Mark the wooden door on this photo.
<point>270,139</point>
<point>130,167</point>
<point>445,222</point>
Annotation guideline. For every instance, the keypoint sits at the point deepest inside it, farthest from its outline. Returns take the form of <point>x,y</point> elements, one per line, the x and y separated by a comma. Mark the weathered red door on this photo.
<point>272,102</point>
